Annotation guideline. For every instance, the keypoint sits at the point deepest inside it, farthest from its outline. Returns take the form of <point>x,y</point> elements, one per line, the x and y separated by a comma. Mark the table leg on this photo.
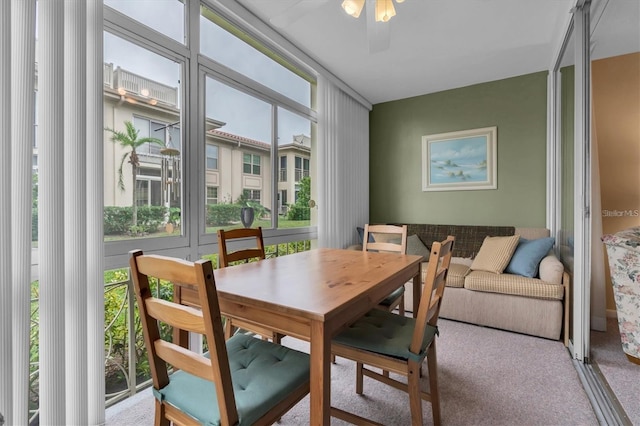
<point>417,293</point>
<point>320,386</point>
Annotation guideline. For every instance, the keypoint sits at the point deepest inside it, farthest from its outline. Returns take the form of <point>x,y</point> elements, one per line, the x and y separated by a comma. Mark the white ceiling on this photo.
<point>436,45</point>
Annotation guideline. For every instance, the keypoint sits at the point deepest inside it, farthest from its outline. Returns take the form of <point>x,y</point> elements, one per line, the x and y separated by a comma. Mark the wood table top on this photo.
<point>316,284</point>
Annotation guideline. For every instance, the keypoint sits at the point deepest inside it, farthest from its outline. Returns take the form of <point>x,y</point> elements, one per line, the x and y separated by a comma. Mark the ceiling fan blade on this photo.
<point>295,12</point>
<point>377,32</point>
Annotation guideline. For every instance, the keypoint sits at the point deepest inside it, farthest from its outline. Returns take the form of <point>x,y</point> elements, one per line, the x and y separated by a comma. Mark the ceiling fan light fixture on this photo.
<point>384,10</point>
<point>353,7</point>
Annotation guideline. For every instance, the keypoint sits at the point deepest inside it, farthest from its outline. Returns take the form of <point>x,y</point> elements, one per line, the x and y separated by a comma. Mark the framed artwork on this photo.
<point>460,161</point>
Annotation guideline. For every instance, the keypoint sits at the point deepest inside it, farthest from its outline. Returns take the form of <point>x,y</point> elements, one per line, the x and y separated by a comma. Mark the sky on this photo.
<point>244,115</point>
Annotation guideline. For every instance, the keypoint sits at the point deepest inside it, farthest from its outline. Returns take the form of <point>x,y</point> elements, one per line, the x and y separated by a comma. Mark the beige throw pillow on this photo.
<point>495,254</point>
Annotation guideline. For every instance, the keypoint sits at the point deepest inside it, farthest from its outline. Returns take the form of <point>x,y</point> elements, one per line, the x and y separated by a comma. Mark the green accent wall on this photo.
<point>517,106</point>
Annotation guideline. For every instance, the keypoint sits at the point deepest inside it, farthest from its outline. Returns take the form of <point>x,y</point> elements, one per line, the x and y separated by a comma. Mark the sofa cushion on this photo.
<point>455,275</point>
<point>551,269</point>
<point>495,254</point>
<point>361,235</point>
<point>527,256</point>
<point>469,238</point>
<point>512,284</point>
<point>417,247</point>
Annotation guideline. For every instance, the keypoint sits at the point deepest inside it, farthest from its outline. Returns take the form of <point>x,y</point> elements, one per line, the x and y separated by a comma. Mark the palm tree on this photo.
<point>129,141</point>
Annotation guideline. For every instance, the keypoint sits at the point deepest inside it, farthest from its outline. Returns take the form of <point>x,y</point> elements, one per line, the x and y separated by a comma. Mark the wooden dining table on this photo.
<point>312,295</point>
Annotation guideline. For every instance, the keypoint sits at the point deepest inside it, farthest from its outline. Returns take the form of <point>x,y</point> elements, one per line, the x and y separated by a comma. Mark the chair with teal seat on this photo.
<point>388,238</point>
<point>228,257</point>
<point>243,380</point>
<point>399,344</point>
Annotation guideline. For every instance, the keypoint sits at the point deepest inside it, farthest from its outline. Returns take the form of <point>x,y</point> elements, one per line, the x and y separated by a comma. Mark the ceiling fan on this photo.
<point>377,14</point>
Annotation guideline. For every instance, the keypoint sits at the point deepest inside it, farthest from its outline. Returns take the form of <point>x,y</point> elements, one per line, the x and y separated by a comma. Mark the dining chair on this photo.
<point>395,241</point>
<point>227,258</point>
<point>227,385</point>
<point>400,344</point>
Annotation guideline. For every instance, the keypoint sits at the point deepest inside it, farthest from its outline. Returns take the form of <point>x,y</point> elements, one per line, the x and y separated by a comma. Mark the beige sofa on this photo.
<point>536,306</point>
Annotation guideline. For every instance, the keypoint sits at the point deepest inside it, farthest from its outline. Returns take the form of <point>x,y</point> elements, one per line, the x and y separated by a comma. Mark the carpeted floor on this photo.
<point>622,376</point>
<point>486,376</point>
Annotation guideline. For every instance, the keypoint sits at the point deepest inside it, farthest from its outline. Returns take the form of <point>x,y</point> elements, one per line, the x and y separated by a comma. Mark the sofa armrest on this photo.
<point>551,269</point>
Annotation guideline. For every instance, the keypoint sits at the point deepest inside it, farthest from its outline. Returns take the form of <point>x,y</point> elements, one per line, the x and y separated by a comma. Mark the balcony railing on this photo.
<point>126,363</point>
<point>300,173</point>
<point>283,175</point>
<point>121,79</point>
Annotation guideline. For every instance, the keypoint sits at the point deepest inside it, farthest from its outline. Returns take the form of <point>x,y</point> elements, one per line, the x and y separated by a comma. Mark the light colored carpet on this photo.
<point>486,377</point>
<point>622,376</point>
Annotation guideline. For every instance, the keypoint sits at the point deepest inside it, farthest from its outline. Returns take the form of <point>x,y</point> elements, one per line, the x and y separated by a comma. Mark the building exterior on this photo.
<point>235,166</point>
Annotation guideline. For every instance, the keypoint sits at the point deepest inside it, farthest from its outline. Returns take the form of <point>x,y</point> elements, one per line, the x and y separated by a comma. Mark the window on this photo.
<point>212,195</point>
<point>294,145</point>
<point>141,87</point>
<point>282,202</point>
<point>251,194</point>
<point>251,164</point>
<point>165,16</point>
<point>240,126</point>
<point>305,167</point>
<point>142,190</point>
<point>167,134</point>
<point>302,168</point>
<point>283,169</point>
<point>212,158</point>
<point>232,48</point>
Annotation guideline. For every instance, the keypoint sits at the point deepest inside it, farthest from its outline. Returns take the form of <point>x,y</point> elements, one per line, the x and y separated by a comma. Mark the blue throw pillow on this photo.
<point>361,235</point>
<point>526,259</point>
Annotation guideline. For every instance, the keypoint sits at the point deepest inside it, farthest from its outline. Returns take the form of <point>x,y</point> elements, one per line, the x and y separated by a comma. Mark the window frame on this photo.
<point>215,198</point>
<point>193,242</point>
<point>253,164</point>
<point>208,157</point>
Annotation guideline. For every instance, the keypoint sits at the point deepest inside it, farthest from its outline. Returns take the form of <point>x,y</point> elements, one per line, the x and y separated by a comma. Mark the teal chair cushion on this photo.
<point>385,333</point>
<point>387,301</point>
<point>262,373</point>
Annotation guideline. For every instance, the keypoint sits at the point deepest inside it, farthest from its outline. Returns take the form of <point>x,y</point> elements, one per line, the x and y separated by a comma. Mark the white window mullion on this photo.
<point>75,219</point>
<point>23,15</point>
<point>94,208</point>
<point>51,211</point>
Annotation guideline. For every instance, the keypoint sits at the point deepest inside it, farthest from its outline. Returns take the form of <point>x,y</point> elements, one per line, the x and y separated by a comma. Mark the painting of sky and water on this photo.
<point>462,160</point>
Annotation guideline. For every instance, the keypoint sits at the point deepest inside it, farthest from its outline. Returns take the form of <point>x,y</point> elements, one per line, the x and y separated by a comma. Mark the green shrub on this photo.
<point>175,215</point>
<point>150,218</point>
<point>298,212</point>
<point>223,214</point>
<point>117,220</point>
<point>34,224</point>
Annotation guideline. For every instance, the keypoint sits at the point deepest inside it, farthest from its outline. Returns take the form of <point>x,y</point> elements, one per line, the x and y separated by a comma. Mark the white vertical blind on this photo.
<point>70,197</point>
<point>75,214</point>
<point>343,164</point>
<point>22,112</point>
<point>6,390</point>
<point>94,211</point>
<point>51,232</point>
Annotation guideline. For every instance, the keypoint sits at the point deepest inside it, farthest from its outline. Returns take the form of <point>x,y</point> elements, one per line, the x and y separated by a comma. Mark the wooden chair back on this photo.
<point>227,257</point>
<point>205,321</point>
<point>433,291</point>
<point>400,231</point>
<point>387,244</point>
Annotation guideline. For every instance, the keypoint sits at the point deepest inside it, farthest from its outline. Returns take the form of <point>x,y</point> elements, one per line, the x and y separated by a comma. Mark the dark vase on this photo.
<point>246,216</point>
